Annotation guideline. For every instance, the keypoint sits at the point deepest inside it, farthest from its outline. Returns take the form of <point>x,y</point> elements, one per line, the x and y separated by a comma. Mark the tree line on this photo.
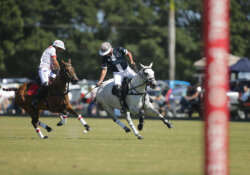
<point>28,27</point>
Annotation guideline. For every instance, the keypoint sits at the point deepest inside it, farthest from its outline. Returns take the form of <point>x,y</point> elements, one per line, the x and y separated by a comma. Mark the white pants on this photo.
<point>119,76</point>
<point>44,75</point>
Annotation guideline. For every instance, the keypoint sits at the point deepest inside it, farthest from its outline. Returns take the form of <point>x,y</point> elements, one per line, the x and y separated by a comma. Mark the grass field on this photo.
<point>108,150</point>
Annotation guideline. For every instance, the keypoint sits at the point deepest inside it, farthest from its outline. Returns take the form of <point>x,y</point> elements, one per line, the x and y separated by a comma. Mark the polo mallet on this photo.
<point>91,90</point>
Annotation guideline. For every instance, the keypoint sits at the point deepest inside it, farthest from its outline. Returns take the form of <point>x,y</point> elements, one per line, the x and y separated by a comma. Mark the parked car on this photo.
<point>13,80</point>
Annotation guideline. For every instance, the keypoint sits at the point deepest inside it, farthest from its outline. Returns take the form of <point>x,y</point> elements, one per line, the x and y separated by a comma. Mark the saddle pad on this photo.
<point>32,89</point>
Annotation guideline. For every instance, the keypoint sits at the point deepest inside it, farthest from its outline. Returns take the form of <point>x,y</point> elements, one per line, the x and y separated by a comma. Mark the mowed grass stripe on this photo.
<point>108,150</point>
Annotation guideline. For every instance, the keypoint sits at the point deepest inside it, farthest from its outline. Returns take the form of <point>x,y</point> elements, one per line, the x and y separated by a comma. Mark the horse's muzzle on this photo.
<point>153,84</point>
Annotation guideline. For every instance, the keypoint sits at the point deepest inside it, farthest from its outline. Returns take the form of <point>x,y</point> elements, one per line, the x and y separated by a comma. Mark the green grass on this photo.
<point>108,150</point>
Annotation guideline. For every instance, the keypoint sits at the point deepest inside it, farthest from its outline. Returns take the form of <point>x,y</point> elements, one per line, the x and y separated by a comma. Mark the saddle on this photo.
<point>124,88</point>
<point>34,85</point>
<point>32,88</point>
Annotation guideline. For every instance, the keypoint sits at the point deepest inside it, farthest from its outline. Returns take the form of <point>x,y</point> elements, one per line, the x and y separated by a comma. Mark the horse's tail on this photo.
<point>10,89</point>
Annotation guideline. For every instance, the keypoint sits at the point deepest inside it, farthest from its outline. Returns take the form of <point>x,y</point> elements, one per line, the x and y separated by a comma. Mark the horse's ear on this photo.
<point>69,61</point>
<point>142,66</point>
<point>151,64</point>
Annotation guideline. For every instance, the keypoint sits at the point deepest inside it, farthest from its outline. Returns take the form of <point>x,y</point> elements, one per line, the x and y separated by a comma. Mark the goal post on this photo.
<point>216,41</point>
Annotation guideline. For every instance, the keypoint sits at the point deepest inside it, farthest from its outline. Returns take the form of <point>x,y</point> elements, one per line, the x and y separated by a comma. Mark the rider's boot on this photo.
<point>123,104</point>
<point>42,91</point>
<point>121,98</point>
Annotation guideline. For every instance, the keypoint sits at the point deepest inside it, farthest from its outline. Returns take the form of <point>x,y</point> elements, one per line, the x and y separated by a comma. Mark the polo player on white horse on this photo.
<point>137,99</point>
<point>113,59</point>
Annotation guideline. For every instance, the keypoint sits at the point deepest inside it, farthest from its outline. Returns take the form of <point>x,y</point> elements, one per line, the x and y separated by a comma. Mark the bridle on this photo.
<point>67,78</point>
<point>133,91</point>
<point>65,73</point>
<point>145,81</point>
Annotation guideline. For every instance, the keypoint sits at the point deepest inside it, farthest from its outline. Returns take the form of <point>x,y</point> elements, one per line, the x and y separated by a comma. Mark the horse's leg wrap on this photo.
<point>35,122</point>
<point>115,119</point>
<point>141,122</point>
<point>151,111</point>
<point>49,129</point>
<point>63,120</point>
<point>83,122</point>
<point>122,125</point>
<point>131,124</point>
<point>40,134</point>
<point>166,122</point>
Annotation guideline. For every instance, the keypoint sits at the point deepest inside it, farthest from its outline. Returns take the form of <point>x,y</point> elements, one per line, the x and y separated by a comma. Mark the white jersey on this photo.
<point>45,62</point>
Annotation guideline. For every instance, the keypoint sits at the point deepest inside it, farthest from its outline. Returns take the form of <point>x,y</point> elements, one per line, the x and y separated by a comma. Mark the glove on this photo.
<point>134,67</point>
<point>98,84</point>
<point>56,71</point>
<point>53,75</point>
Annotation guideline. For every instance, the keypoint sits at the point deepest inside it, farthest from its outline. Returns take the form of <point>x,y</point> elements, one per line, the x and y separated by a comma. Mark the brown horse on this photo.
<point>57,100</point>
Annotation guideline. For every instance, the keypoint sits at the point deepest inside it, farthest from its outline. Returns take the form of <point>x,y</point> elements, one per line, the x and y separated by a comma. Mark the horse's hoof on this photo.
<point>87,127</point>
<point>49,129</point>
<point>45,137</point>
<point>169,125</point>
<point>127,129</point>
<point>59,124</point>
<point>166,122</point>
<point>139,137</point>
<point>140,127</point>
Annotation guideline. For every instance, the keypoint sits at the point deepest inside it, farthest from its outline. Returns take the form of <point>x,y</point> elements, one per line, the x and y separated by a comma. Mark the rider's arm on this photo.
<point>133,65</point>
<point>55,64</point>
<point>130,57</point>
<point>103,74</point>
<point>193,96</point>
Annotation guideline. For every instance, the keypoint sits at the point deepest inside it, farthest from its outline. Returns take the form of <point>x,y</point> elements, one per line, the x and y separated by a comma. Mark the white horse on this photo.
<point>137,99</point>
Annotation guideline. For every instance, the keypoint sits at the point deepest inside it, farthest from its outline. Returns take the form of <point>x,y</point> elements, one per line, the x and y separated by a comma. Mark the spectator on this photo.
<point>245,95</point>
<point>160,103</point>
<point>4,105</point>
<point>190,99</point>
<point>12,108</point>
<point>167,92</point>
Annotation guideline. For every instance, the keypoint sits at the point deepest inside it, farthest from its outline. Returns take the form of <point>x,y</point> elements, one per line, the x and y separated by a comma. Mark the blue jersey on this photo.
<point>117,61</point>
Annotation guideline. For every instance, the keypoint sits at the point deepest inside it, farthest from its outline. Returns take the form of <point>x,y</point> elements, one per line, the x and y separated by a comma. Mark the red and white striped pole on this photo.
<point>216,36</point>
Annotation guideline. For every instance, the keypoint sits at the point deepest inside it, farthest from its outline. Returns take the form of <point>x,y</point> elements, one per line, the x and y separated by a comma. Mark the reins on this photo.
<point>62,94</point>
<point>134,88</point>
<point>143,94</point>
<point>66,90</point>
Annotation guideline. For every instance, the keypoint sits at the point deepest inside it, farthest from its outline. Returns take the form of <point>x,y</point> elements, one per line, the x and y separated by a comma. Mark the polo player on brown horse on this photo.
<point>50,96</point>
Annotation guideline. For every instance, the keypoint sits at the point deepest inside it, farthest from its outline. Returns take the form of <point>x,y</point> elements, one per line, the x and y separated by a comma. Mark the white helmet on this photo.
<point>105,48</point>
<point>59,43</point>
